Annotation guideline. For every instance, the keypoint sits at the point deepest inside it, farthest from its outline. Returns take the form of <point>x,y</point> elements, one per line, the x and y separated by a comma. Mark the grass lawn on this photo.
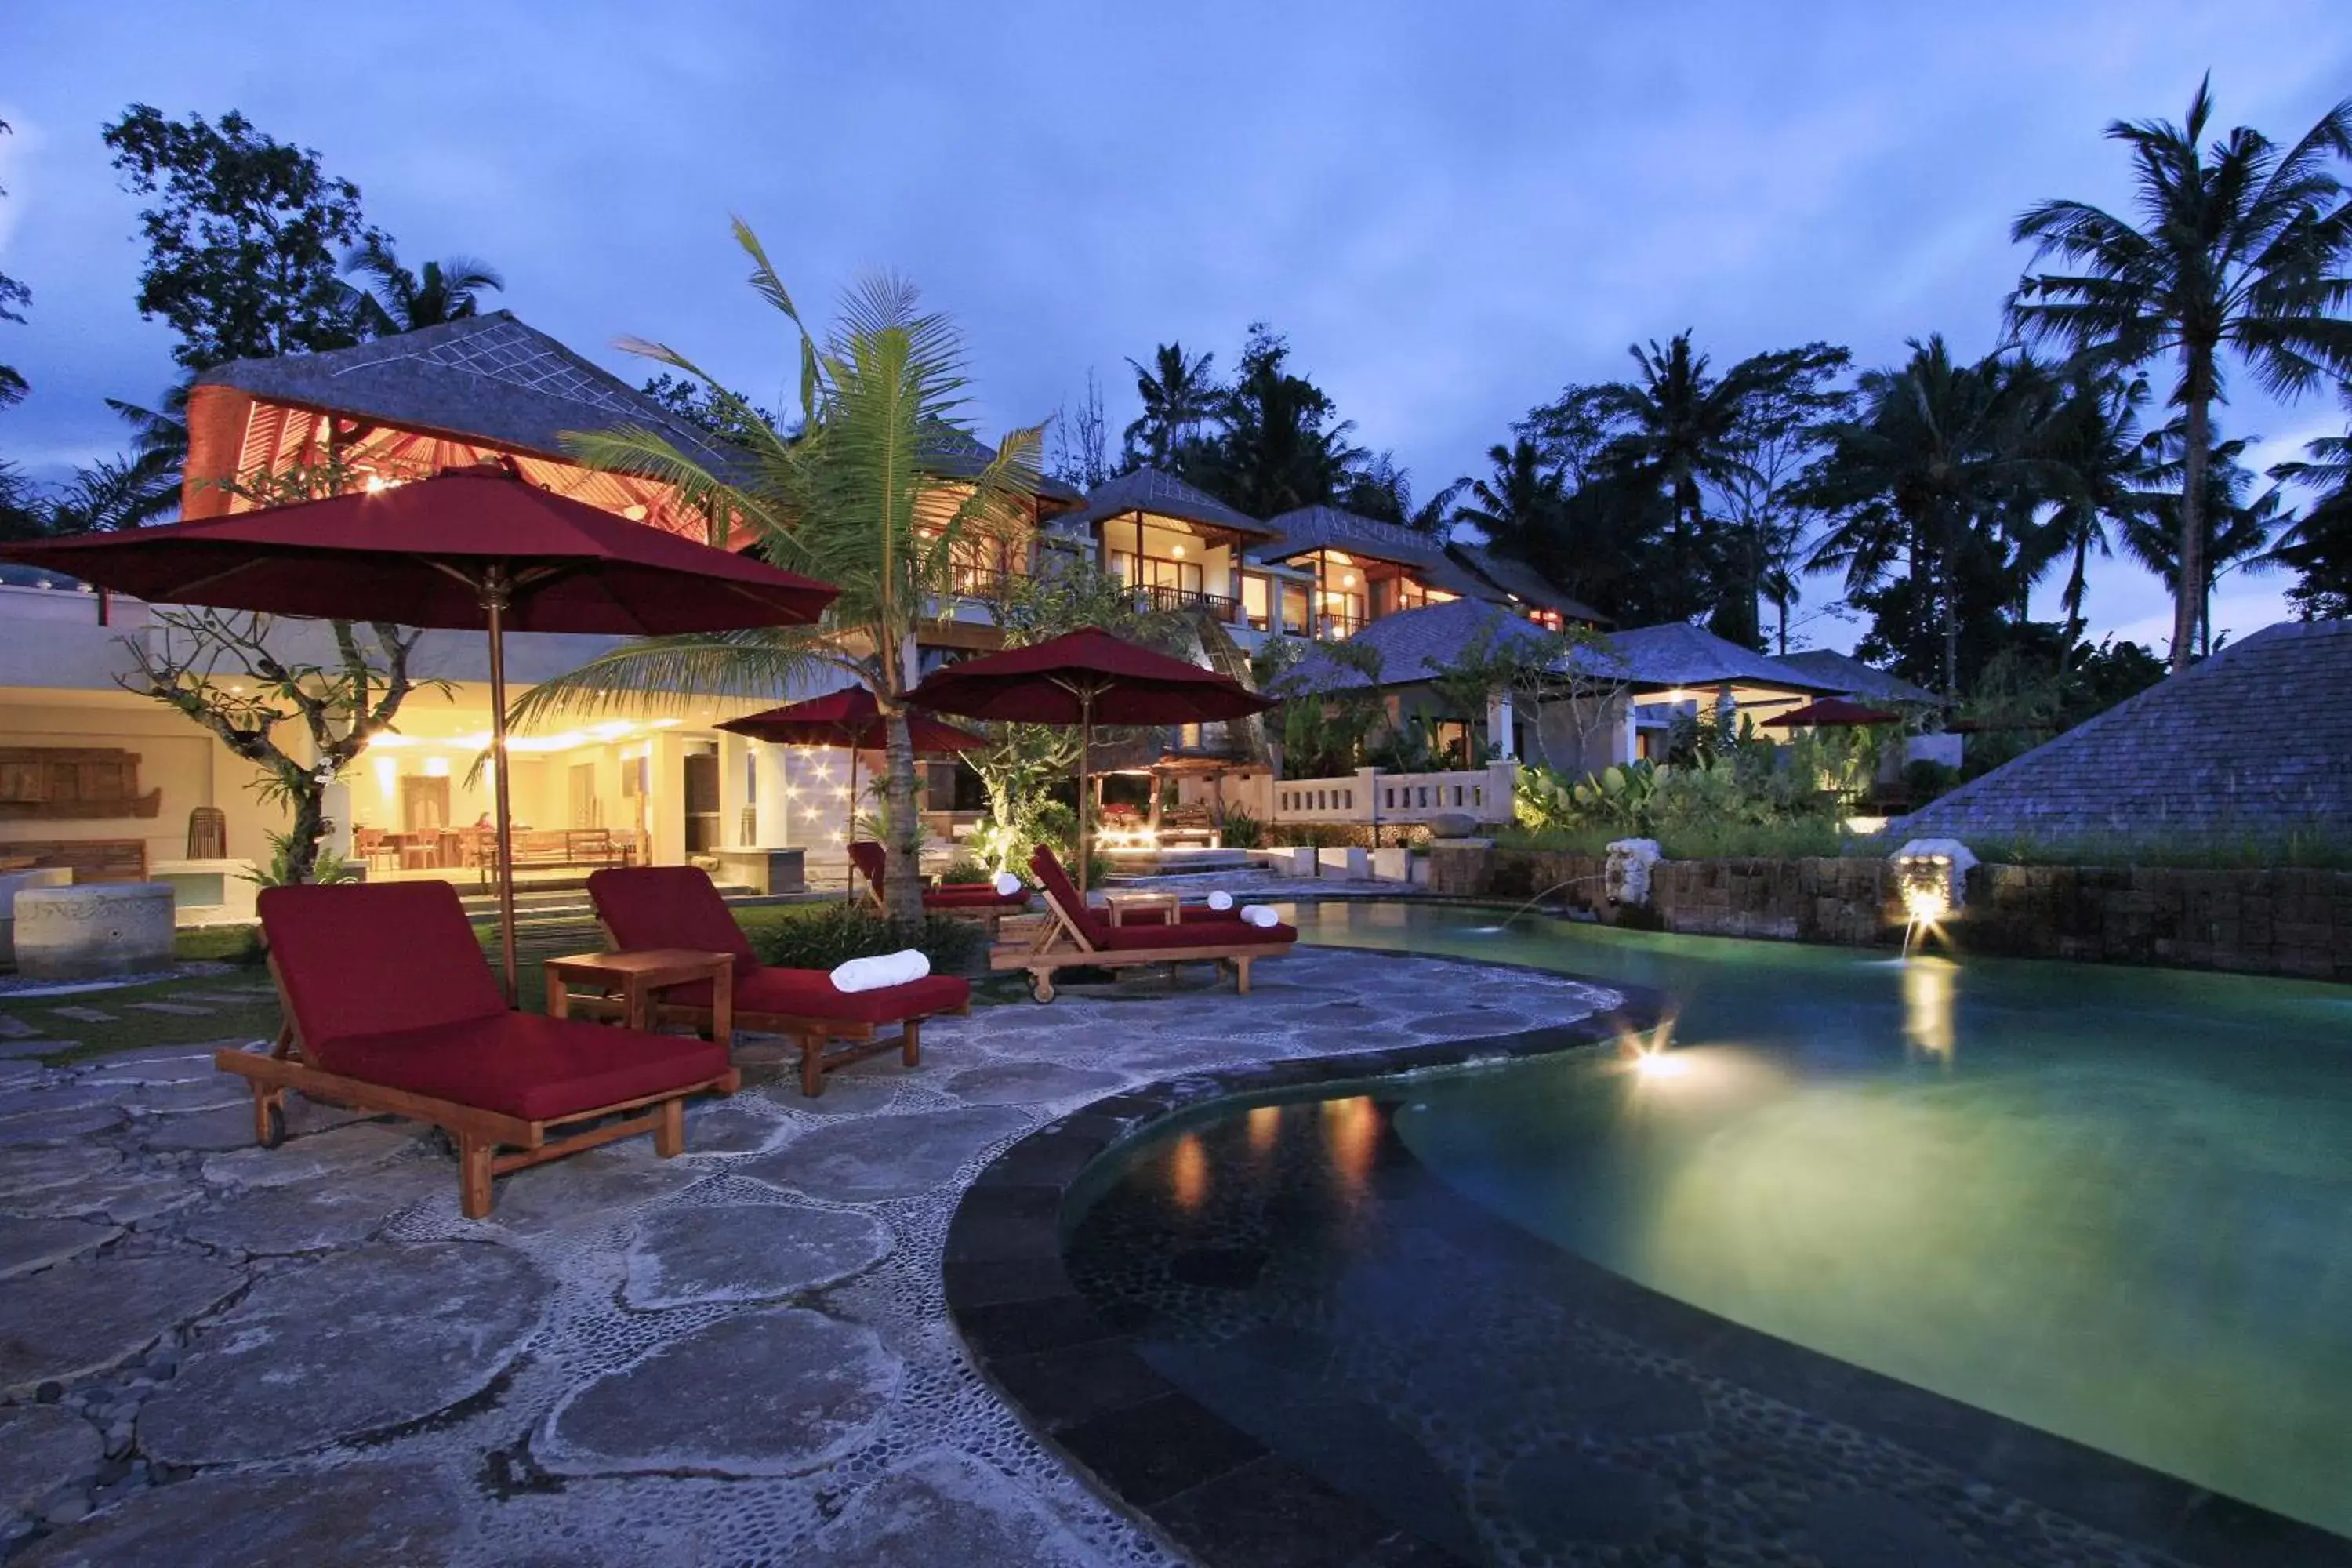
<point>236,1005</point>
<point>238,1002</point>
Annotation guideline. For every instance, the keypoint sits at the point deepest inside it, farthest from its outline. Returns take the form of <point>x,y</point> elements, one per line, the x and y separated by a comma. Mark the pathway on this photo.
<point>224,1354</point>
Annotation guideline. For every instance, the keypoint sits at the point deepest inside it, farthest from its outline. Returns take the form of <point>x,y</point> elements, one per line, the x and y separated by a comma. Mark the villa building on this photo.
<point>664,783</point>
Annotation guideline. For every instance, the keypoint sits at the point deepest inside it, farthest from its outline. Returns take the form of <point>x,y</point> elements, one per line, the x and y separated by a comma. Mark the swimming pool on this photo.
<point>2113,1205</point>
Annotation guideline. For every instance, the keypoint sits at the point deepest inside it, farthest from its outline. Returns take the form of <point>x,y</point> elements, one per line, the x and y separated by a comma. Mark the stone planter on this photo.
<point>1392,865</point>
<point>11,882</point>
<point>92,930</point>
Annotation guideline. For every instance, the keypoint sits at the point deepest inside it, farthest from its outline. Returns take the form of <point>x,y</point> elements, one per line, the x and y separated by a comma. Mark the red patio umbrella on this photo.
<point>1832,712</point>
<point>852,719</point>
<point>1084,677</point>
<point>475,547</point>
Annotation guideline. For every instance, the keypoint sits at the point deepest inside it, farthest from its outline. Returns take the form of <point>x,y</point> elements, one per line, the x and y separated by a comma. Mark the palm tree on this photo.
<point>2235,523</point>
<point>2319,546</point>
<point>1928,469</point>
<point>398,301</point>
<point>2101,466</point>
<point>1519,507</point>
<point>2240,248</point>
<point>1675,428</point>
<point>850,500</point>
<point>1283,443</point>
<point>1180,393</point>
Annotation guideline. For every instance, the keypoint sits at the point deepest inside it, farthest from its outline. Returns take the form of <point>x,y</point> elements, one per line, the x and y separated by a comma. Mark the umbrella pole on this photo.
<point>494,602</point>
<point>1086,761</point>
<point>850,829</point>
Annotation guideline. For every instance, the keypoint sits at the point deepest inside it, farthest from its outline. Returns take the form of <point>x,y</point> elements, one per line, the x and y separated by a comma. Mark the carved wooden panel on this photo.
<point>57,783</point>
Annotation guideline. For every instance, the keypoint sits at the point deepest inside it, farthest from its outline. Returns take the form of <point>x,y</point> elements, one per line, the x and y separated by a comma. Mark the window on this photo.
<point>1256,592</point>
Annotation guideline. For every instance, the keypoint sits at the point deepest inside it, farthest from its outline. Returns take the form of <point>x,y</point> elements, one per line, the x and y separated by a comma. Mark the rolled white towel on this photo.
<point>881,971</point>
<point>1259,915</point>
<point>1007,884</point>
<point>1220,900</point>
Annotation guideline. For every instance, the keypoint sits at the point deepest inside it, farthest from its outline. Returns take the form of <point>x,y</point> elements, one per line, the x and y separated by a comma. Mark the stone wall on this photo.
<point>2288,922</point>
<point>2295,922</point>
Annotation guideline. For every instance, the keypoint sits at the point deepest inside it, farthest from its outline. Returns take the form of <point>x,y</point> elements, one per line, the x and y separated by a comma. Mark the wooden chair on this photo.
<point>678,907</point>
<point>1078,937</point>
<point>390,1006</point>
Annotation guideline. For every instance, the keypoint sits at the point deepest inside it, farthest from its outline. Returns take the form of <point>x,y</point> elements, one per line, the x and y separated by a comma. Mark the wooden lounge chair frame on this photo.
<point>479,1134</point>
<point>1061,943</point>
<point>824,1043</point>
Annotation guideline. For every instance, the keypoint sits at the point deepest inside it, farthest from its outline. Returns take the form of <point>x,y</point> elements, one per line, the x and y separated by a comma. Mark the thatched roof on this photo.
<point>488,377</point>
<point>1851,677</point>
<point>1417,645</point>
<point>2252,744</point>
<point>1521,583</point>
<point>1158,494</point>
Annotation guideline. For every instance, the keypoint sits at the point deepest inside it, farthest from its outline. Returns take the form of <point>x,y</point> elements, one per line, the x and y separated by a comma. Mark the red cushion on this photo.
<point>523,1064</point>
<point>1064,894</point>
<point>666,906</point>
<point>1195,933</point>
<point>366,958</point>
<point>1203,912</point>
<point>971,896</point>
<point>811,994</point>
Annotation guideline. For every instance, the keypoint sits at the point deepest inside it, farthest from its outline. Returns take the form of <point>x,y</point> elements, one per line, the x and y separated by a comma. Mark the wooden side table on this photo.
<point>1161,907</point>
<point>636,979</point>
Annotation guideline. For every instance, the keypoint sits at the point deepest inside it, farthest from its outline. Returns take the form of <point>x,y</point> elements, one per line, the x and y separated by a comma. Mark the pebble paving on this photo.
<point>225,1354</point>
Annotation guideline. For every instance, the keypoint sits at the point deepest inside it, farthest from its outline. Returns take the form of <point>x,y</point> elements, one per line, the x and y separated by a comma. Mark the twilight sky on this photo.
<point>1451,210</point>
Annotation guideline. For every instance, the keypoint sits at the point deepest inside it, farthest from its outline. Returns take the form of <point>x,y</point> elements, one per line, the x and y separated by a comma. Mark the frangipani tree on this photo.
<point>855,497</point>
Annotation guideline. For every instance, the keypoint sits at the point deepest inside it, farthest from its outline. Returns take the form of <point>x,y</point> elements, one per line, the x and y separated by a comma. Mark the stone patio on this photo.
<point>223,1354</point>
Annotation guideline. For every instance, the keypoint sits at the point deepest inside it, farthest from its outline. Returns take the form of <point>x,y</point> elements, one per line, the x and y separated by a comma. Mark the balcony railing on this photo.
<point>1161,597</point>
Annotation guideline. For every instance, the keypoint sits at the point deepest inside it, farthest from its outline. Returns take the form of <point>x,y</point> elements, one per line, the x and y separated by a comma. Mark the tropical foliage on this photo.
<point>2240,250</point>
<point>852,500</point>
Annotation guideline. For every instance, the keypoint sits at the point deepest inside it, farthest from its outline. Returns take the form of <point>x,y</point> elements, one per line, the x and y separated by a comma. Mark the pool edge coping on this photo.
<point>1217,1491</point>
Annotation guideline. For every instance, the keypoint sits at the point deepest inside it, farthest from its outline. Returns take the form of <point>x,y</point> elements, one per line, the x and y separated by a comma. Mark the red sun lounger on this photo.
<point>390,1006</point>
<point>677,907</point>
<point>1079,936</point>
<point>979,899</point>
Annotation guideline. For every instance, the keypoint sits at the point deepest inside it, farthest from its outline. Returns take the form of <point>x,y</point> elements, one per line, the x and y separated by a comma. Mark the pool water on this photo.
<point>2112,1204</point>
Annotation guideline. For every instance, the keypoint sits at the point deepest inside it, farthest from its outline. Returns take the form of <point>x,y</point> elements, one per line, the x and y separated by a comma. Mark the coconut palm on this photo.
<point>2235,520</point>
<point>2101,467</point>
<point>2241,249</point>
<point>1925,474</point>
<point>2319,546</point>
<point>1674,428</point>
<point>854,500</point>
<point>1519,507</point>
<point>1180,393</point>
<point>395,300</point>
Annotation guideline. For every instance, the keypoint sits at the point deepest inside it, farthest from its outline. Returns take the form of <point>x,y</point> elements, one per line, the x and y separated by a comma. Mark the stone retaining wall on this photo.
<point>2290,922</point>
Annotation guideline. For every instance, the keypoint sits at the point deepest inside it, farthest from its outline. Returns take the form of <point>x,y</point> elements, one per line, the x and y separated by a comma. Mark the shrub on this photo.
<point>1925,779</point>
<point>819,936</point>
<point>1241,830</point>
<point>967,869</point>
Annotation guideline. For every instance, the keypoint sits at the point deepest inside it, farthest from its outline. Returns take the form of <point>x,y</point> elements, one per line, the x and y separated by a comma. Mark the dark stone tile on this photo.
<point>1147,1452</point>
<point>1270,1514</point>
<point>988,1281</point>
<point>1864,1530</point>
<point>1046,1158</point>
<point>1563,1498</point>
<point>1045,1322</point>
<point>1058,1388</point>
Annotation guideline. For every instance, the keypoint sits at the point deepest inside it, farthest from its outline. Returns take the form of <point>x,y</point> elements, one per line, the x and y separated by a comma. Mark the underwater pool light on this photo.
<point>1661,1064</point>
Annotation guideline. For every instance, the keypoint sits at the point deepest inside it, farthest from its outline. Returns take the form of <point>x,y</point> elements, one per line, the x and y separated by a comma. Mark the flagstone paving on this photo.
<point>217,1354</point>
